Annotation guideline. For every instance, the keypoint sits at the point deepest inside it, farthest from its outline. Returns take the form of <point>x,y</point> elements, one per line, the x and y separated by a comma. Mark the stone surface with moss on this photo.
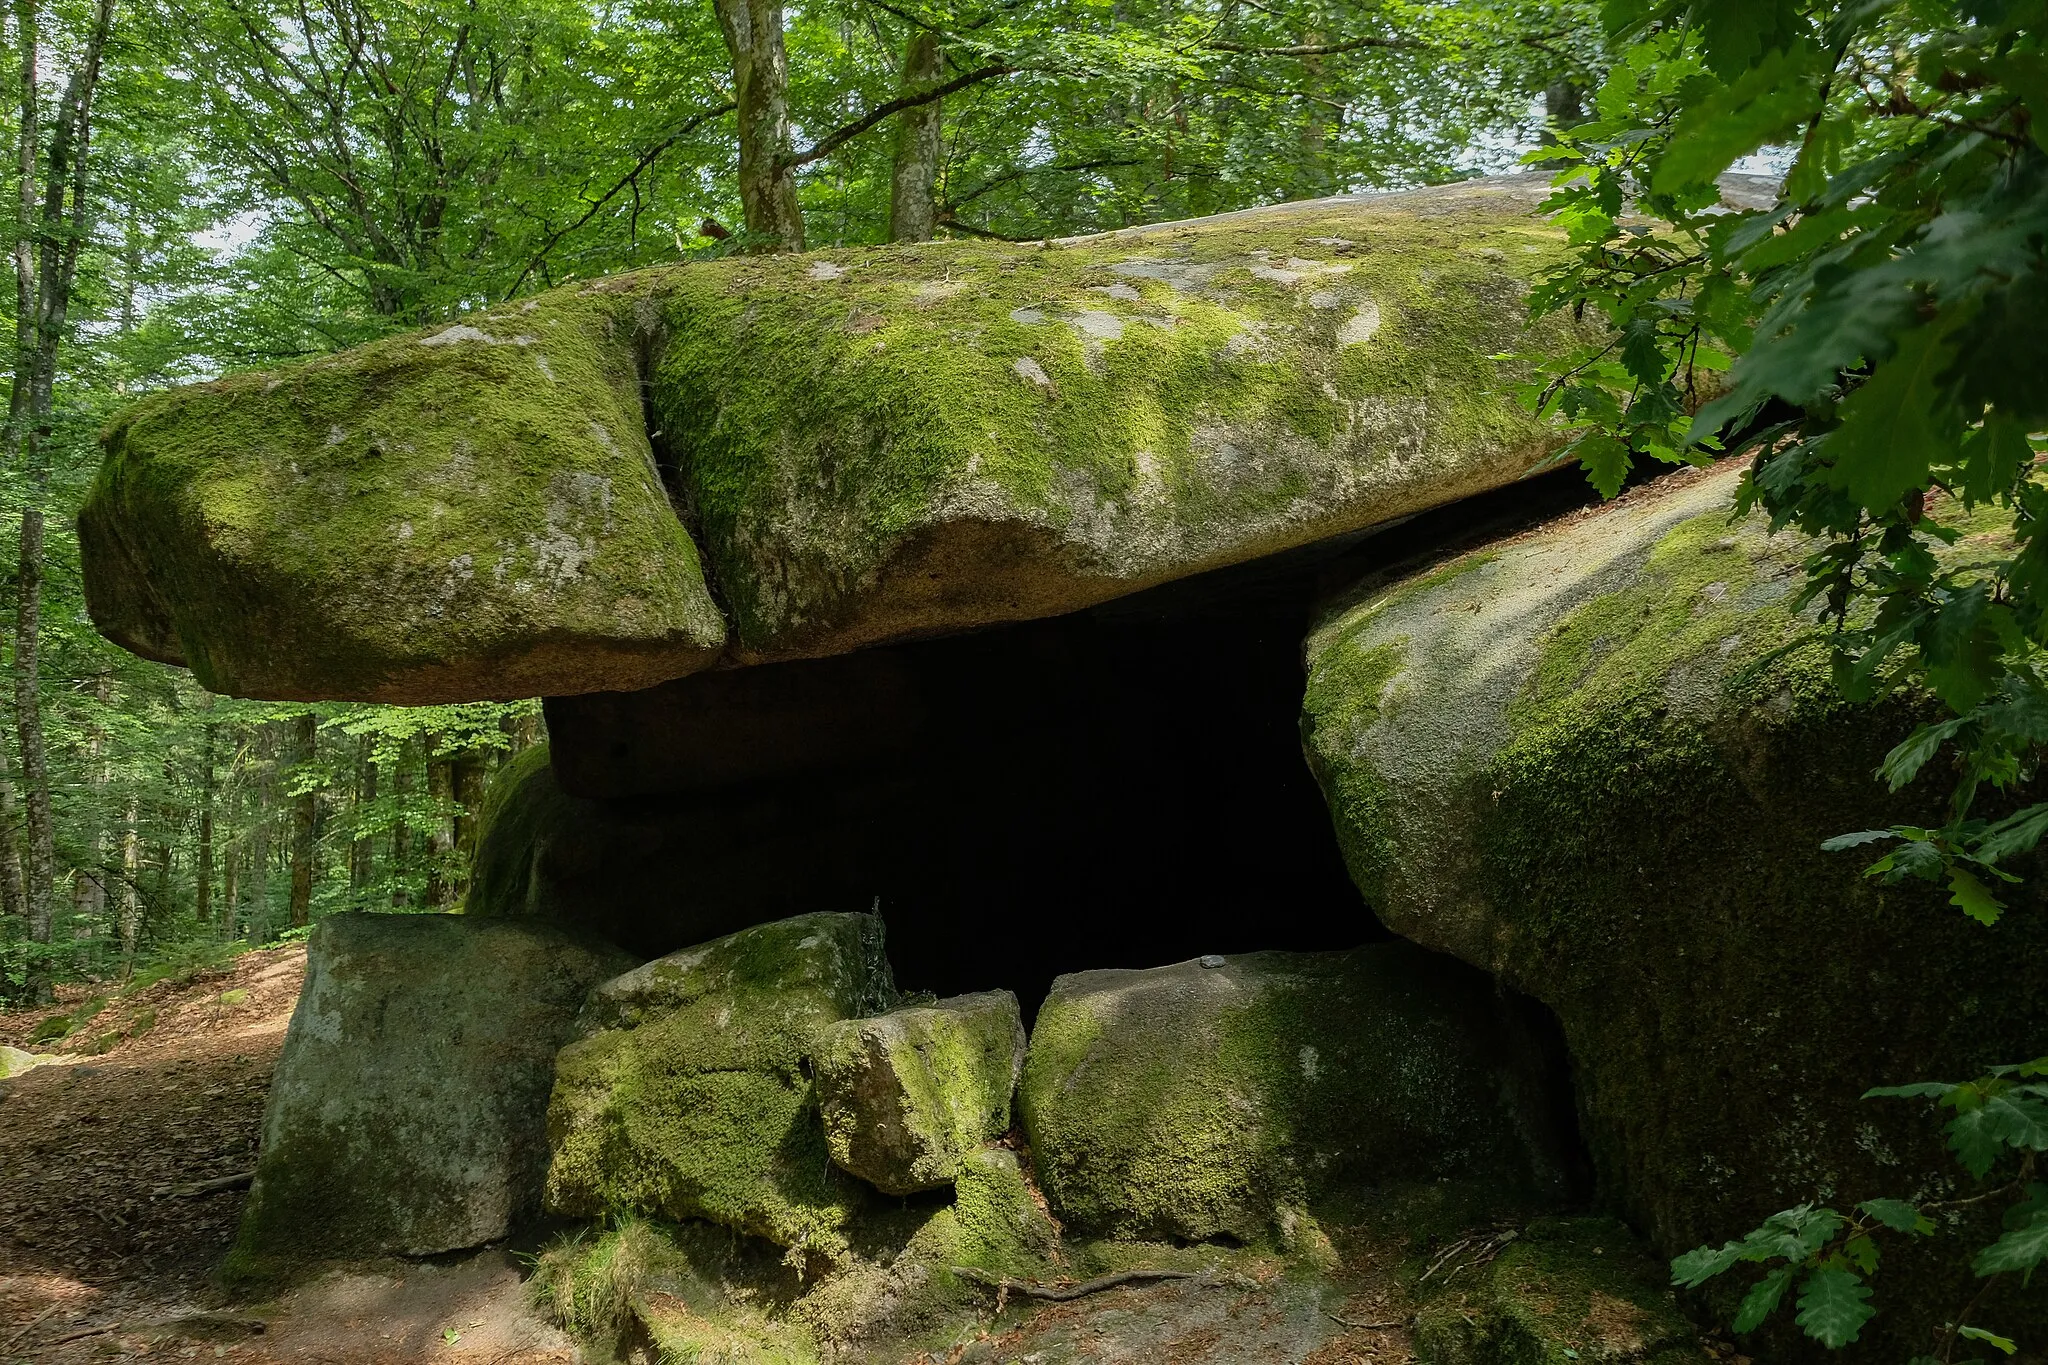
<point>1564,1291</point>
<point>906,1095</point>
<point>1573,759</point>
<point>470,512</point>
<point>1193,1101</point>
<point>870,444</point>
<point>408,1111</point>
<point>689,1094</point>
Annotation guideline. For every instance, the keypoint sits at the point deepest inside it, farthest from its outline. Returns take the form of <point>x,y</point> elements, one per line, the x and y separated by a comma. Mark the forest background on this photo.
<point>209,185</point>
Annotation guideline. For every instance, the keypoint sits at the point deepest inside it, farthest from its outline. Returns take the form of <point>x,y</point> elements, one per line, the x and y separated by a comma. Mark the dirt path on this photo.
<point>104,1252</point>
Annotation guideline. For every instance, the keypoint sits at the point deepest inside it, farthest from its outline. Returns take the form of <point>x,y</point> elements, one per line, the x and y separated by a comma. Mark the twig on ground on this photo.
<point>1362,1326</point>
<point>28,1327</point>
<point>238,1180</point>
<point>88,1332</point>
<point>1060,1293</point>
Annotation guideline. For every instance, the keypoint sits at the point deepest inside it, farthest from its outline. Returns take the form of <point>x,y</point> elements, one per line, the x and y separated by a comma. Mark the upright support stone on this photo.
<point>408,1112</point>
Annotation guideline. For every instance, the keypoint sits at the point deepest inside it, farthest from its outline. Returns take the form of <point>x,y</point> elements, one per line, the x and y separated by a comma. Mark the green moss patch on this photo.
<point>690,1096</point>
<point>469,512</point>
<point>1584,765</point>
<point>1193,1101</point>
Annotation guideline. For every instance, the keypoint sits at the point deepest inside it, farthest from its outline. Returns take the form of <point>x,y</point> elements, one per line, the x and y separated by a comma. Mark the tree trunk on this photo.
<point>46,248</point>
<point>259,837</point>
<point>13,899</point>
<point>362,851</point>
<point>39,886</point>
<point>401,833</point>
<point>305,736</point>
<point>913,202</point>
<point>760,83</point>
<point>440,834</point>
<point>203,876</point>
<point>131,873</point>
<point>470,775</point>
<point>89,883</point>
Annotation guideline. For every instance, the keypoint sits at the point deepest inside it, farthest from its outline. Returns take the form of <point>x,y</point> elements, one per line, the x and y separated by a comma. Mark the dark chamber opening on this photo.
<point>1119,787</point>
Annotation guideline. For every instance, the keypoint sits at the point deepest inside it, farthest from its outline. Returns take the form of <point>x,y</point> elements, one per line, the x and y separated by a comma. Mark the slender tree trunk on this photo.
<point>12,895</point>
<point>89,883</point>
<point>362,852</point>
<point>401,833</point>
<point>259,836</point>
<point>203,875</point>
<point>46,248</point>
<point>913,202</point>
<point>441,834</point>
<point>28,714</point>
<point>131,872</point>
<point>305,736</point>
<point>471,773</point>
<point>760,82</point>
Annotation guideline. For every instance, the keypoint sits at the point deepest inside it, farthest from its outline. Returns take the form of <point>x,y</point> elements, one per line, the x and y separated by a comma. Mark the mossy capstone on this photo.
<point>907,1095</point>
<point>871,444</point>
<point>408,1112</point>
<point>689,1094</point>
<point>1581,760</point>
<point>1193,1101</point>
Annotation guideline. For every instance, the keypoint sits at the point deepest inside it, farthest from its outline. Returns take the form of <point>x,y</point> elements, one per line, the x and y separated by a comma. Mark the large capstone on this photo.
<point>872,444</point>
<point>689,1094</point>
<point>1576,759</point>
<point>907,1095</point>
<point>1194,1101</point>
<point>408,1110</point>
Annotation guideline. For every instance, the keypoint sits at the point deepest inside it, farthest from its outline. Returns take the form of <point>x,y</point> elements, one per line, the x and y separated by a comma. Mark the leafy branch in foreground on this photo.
<point>1823,1258</point>
<point>1885,319</point>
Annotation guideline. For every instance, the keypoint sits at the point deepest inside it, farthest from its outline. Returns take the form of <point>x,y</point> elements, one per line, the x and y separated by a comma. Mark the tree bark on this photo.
<point>89,883</point>
<point>39,886</point>
<point>46,251</point>
<point>913,201</point>
<point>259,837</point>
<point>401,833</point>
<point>203,873</point>
<point>305,738</point>
<point>362,851</point>
<point>441,834</point>
<point>12,896</point>
<point>131,873</point>
<point>760,82</point>
<point>471,773</point>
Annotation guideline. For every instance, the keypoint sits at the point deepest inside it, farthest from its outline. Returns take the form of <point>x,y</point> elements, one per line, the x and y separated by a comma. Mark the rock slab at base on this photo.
<point>1191,1101</point>
<point>689,1096</point>
<point>408,1112</point>
<point>905,1096</point>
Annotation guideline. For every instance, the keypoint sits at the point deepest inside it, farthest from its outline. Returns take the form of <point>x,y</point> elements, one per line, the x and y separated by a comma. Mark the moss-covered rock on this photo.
<point>873,444</point>
<point>1565,1291</point>
<point>1193,1101</point>
<point>468,512</point>
<point>906,1095</point>
<point>903,441</point>
<point>690,1094</point>
<point>408,1112</point>
<point>1572,759</point>
<point>1004,1226</point>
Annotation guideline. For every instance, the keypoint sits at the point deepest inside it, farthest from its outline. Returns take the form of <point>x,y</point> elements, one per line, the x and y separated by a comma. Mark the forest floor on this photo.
<point>109,1233</point>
